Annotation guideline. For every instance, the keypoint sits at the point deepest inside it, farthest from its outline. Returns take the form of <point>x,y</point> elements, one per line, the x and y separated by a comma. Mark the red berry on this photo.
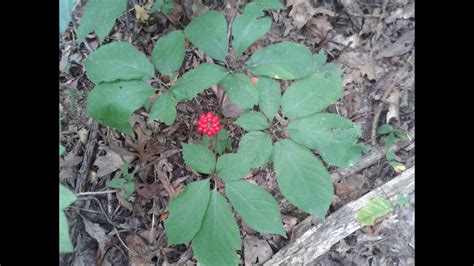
<point>215,119</point>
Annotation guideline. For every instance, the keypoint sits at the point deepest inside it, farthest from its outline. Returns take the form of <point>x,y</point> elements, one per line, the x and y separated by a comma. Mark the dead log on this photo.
<point>319,239</point>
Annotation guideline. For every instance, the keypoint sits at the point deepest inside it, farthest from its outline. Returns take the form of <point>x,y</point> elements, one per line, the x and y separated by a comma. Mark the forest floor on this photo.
<point>372,41</point>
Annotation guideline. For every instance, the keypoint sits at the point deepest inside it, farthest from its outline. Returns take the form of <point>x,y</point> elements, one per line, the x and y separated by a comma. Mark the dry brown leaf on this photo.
<point>163,177</point>
<point>83,134</point>
<point>394,106</point>
<point>403,45</point>
<point>150,235</point>
<point>318,28</point>
<point>342,190</point>
<point>256,250</point>
<point>109,163</point>
<point>69,167</point>
<point>176,13</point>
<point>141,13</point>
<point>303,226</point>
<point>148,191</point>
<point>96,232</point>
<point>123,202</point>
<point>198,8</point>
<point>141,249</point>
<point>136,243</point>
<point>229,109</point>
<point>301,12</point>
<point>288,222</point>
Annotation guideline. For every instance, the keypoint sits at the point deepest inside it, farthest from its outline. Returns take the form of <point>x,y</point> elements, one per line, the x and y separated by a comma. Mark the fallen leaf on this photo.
<point>141,13</point>
<point>109,162</point>
<point>401,13</point>
<point>163,177</point>
<point>303,226</point>
<point>288,222</point>
<point>301,12</point>
<point>150,235</point>
<point>198,8</point>
<point>403,45</point>
<point>342,190</point>
<point>394,106</point>
<point>176,13</point>
<point>256,250</point>
<point>229,109</point>
<point>83,134</point>
<point>123,202</point>
<point>318,28</point>
<point>141,249</point>
<point>96,232</point>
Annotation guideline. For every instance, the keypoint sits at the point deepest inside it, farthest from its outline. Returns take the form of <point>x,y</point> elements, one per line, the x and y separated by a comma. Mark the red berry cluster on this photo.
<point>208,124</point>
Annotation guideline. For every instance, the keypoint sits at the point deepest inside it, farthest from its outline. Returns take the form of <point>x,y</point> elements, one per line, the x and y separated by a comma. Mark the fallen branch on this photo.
<point>89,155</point>
<point>319,239</point>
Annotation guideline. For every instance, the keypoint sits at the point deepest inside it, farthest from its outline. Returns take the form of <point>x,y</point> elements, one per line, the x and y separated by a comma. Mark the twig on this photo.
<point>229,28</point>
<point>378,111</point>
<point>96,192</point>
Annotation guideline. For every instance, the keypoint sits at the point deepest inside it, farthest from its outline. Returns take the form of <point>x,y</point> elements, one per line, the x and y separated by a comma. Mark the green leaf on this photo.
<point>302,178</point>
<point>333,136</point>
<point>233,166</point>
<point>384,129</point>
<point>209,33</point>
<point>168,53</point>
<point>256,206</point>
<point>199,158</point>
<point>402,201</point>
<point>65,244</point>
<point>241,90</point>
<point>219,237</point>
<point>389,140</point>
<point>66,198</point>
<point>164,109</point>
<point>256,7</point>
<point>251,121</point>
<point>257,146</point>
<point>285,60</point>
<point>61,149</point>
<point>157,4</point>
<point>128,189</point>
<point>376,208</point>
<point>390,155</point>
<point>311,95</point>
<point>186,212</point>
<point>167,7</point>
<point>319,60</point>
<point>269,96</point>
<point>197,80</point>
<point>99,17</point>
<point>398,167</point>
<point>224,142</point>
<point>129,176</point>
<point>246,29</point>
<point>65,10</point>
<point>117,183</point>
<point>112,104</point>
<point>118,61</point>
<point>402,134</point>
